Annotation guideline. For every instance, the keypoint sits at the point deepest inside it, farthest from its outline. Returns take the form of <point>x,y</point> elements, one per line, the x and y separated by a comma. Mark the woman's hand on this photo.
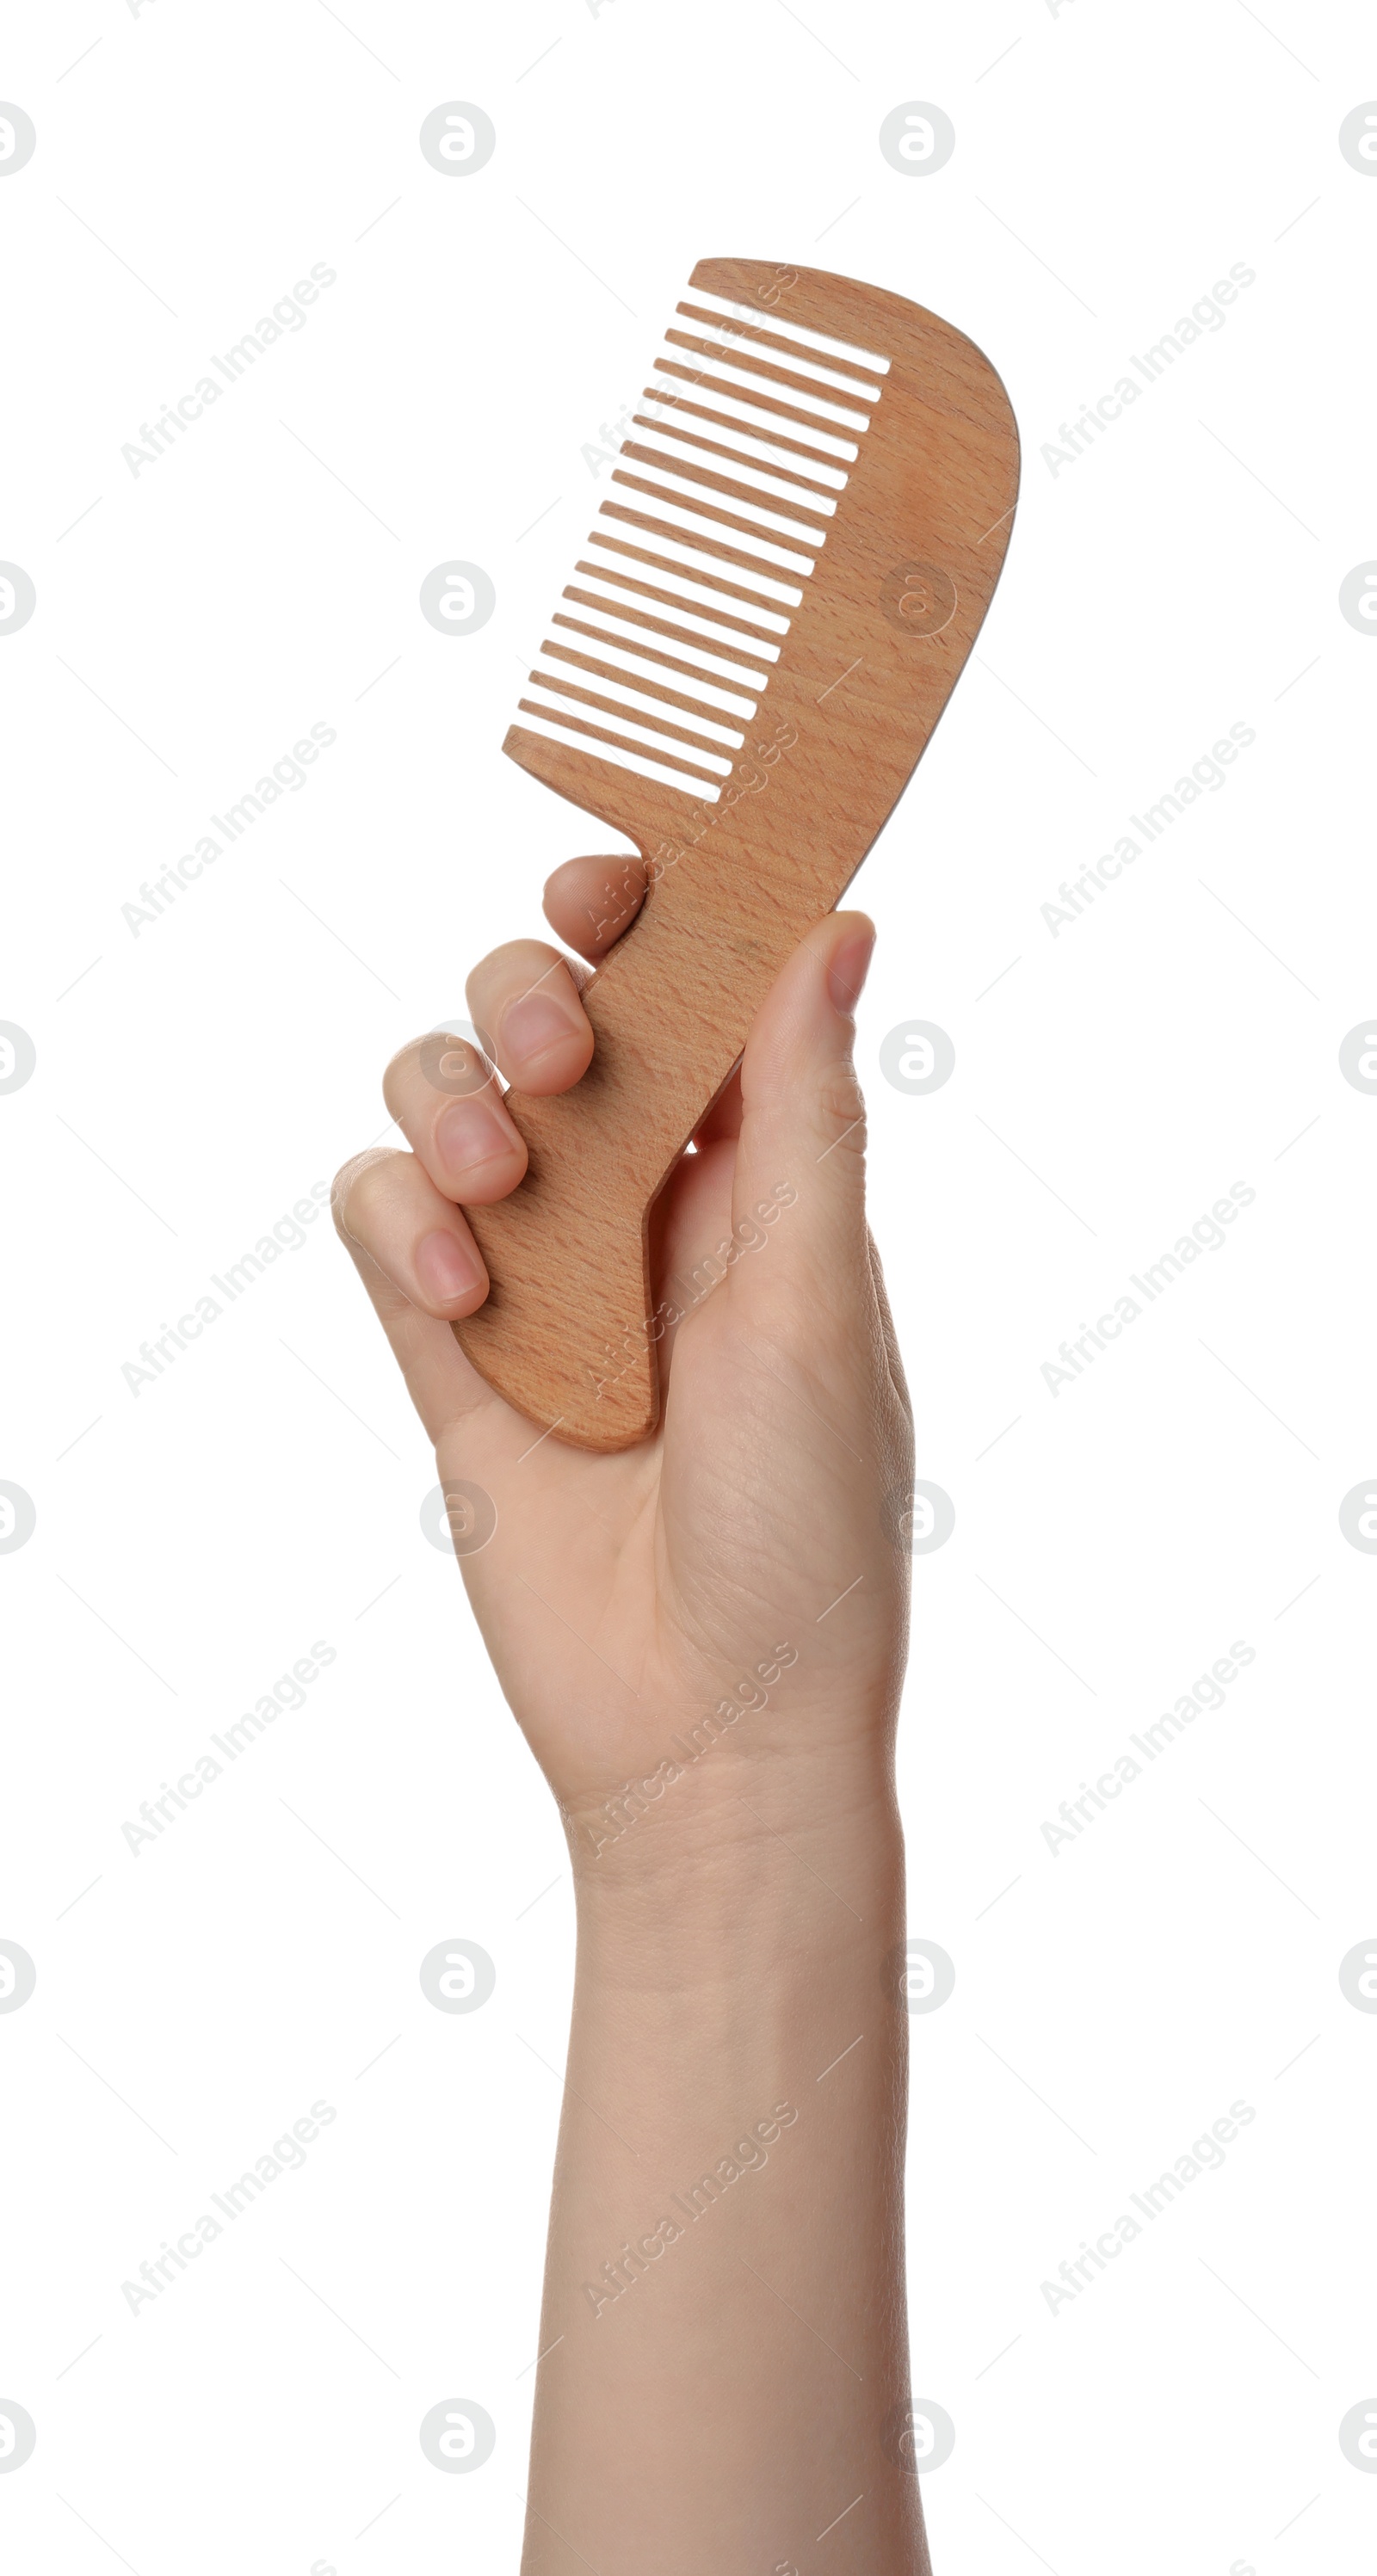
<point>734,1582</point>
<point>703,1639</point>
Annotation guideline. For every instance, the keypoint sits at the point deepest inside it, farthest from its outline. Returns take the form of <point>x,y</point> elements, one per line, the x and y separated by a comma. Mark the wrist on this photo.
<point>739,1969</point>
<point>759,1872</point>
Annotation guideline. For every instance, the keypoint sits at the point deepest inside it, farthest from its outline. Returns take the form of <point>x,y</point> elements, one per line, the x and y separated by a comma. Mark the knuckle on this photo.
<point>517,960</point>
<point>358,1190</point>
<point>398,1075</point>
<point>840,1112</point>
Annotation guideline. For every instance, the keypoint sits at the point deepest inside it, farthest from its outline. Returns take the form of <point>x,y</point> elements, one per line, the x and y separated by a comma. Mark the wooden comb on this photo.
<point>805,526</point>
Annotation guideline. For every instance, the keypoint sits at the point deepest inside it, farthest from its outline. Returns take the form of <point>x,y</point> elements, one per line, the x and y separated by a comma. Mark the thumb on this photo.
<point>802,1142</point>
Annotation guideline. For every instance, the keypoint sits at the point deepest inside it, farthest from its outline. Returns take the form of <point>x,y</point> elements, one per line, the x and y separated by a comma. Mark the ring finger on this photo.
<point>445,1098</point>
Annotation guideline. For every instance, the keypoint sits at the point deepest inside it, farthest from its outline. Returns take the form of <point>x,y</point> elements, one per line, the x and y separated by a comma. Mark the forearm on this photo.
<point>724,2326</point>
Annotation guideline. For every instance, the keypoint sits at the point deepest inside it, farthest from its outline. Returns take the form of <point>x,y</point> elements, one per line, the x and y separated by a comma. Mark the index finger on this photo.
<point>590,902</point>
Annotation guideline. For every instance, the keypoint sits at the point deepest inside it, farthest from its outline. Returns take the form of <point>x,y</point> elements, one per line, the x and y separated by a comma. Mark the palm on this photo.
<point>585,1595</point>
<point>624,1597</point>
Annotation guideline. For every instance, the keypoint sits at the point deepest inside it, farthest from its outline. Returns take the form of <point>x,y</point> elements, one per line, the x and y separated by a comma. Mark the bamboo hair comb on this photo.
<point>806,523</point>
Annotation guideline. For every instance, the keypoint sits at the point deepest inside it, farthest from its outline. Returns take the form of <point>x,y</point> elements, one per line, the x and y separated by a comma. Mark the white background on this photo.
<point>194,1538</point>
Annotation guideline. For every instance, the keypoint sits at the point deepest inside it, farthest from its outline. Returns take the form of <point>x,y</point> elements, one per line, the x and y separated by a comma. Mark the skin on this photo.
<point>726,2367</point>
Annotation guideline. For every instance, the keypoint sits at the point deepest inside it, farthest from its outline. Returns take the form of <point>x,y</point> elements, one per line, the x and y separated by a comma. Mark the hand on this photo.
<point>743,1559</point>
<point>703,1638</point>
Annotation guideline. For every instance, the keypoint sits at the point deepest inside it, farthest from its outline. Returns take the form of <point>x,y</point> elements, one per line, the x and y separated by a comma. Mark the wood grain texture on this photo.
<point>861,680</point>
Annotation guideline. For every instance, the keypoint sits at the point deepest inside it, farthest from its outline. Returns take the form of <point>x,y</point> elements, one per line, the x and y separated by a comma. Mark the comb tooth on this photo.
<point>702,598</point>
<point>648,693</point>
<point>683,541</point>
<point>649,698</point>
<point>725,309</point>
<point>557,726</point>
<point>564,700</point>
<point>645,660</point>
<point>582,740</point>
<point>828,400</point>
<point>697,612</point>
<point>786,513</point>
<point>849,375</point>
<point>702,549</point>
<point>821,451</point>
<point>697,579</point>
<point>717,387</point>
<point>687,576</point>
<point>773,541</point>
<point>644,718</point>
<point>749,458</point>
<point>618,660</point>
<point>705,669</point>
<point>729,660</point>
<point>726,644</point>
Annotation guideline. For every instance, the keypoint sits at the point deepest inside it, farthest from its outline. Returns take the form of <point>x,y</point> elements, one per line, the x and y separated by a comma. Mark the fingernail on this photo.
<point>446,1268</point>
<point>473,1131</point>
<point>847,973</point>
<point>535,1023</point>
